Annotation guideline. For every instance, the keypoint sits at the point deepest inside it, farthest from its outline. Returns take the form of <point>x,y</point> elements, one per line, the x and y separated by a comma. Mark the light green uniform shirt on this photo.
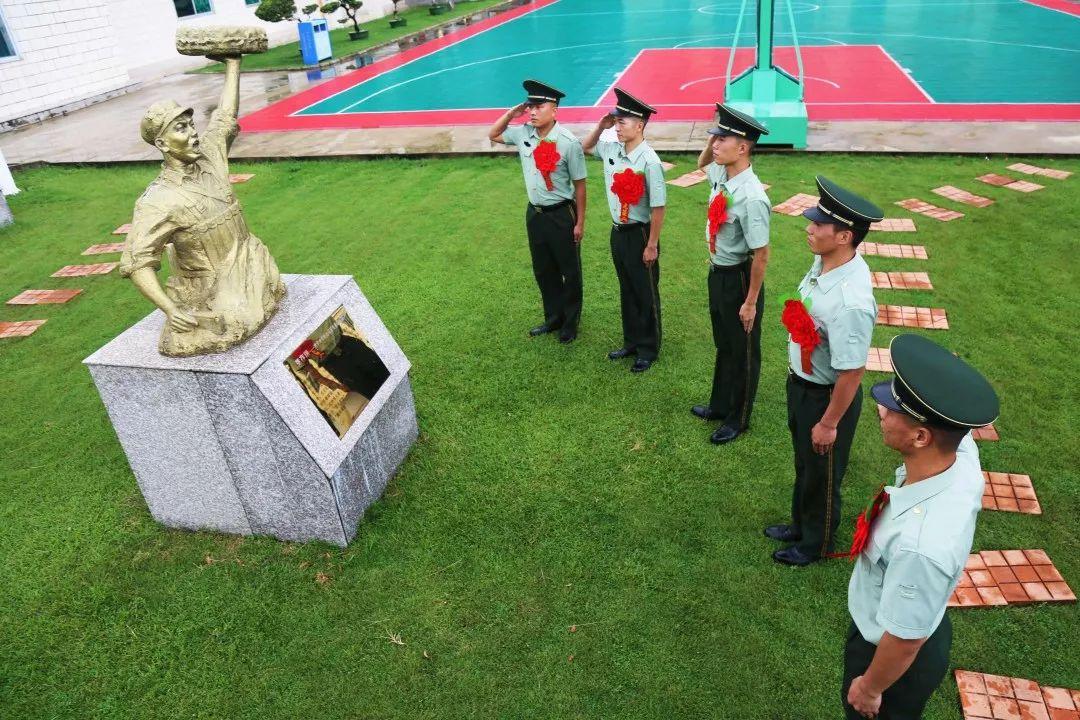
<point>571,165</point>
<point>748,212</point>
<point>844,311</point>
<point>641,159</point>
<point>918,547</point>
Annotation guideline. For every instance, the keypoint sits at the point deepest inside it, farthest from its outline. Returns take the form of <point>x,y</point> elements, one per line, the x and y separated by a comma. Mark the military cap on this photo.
<point>538,92</point>
<point>730,121</point>
<point>935,387</point>
<point>157,118</point>
<point>840,206</point>
<point>626,105</point>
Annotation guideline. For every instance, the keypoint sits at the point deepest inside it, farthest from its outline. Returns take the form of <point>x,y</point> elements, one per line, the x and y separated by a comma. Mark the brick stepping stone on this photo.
<point>1036,170</point>
<point>1008,182</point>
<point>690,178</point>
<point>43,297</point>
<point>922,207</point>
<point>1011,492</point>
<point>237,178</point>
<point>1009,577</point>
<point>879,360</point>
<point>900,281</point>
<point>894,225</point>
<point>984,696</point>
<point>104,249</point>
<point>123,229</point>
<point>84,270</point>
<point>908,316</point>
<point>988,433</point>
<point>914,252</point>
<point>795,204</point>
<point>22,328</point>
<point>962,196</point>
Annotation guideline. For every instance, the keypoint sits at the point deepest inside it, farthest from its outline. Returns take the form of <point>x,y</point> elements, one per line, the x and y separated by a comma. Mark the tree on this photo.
<point>395,6</point>
<point>276,10</point>
<point>352,11</point>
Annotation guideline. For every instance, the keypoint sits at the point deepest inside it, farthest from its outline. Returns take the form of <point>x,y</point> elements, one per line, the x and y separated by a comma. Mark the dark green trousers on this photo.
<point>639,290</point>
<point>738,353</point>
<point>556,261</point>
<point>907,697</point>
<point>815,502</point>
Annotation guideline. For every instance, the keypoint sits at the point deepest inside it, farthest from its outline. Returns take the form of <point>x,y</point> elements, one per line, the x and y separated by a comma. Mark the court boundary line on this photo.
<point>905,73</point>
<point>618,77</point>
<point>1057,6</point>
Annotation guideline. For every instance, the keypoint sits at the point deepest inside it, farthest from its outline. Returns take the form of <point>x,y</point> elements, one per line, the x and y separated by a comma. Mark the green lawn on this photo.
<point>549,487</point>
<point>287,57</point>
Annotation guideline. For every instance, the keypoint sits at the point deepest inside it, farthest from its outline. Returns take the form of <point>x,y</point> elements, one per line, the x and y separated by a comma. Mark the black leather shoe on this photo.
<point>794,556</point>
<point>724,434</point>
<point>567,337</point>
<point>541,330</point>
<point>620,354</point>
<point>783,533</point>
<point>704,412</point>
<point>641,365</point>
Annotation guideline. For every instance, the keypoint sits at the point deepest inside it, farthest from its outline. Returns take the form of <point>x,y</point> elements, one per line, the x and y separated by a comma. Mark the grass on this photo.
<point>287,56</point>
<point>550,488</point>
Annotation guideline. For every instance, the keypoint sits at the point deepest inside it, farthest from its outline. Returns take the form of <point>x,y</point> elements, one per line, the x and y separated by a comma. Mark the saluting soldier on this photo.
<point>897,649</point>
<point>830,325</point>
<point>554,167</point>
<point>737,235</point>
<point>634,181</point>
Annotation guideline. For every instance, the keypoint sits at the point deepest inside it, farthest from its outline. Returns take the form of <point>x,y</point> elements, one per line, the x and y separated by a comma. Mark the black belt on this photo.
<point>627,227</point>
<point>800,380</point>
<point>550,208</point>
<point>729,268</point>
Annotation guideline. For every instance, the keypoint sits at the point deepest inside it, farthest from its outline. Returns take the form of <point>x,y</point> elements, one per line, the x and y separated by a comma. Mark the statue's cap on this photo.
<point>157,118</point>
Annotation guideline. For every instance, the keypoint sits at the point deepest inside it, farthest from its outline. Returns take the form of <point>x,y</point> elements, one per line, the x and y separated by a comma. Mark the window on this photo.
<point>186,8</point>
<point>252,2</point>
<point>7,48</point>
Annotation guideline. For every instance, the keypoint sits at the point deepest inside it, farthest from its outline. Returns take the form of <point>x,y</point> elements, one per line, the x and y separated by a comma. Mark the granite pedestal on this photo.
<point>6,218</point>
<point>231,442</point>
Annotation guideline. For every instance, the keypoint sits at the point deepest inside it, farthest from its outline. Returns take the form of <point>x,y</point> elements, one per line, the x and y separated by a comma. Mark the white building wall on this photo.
<point>66,53</point>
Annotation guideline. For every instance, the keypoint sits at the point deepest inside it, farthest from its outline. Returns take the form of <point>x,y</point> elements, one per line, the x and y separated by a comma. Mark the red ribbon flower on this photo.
<point>629,187</point>
<point>800,324</point>
<point>864,523</point>
<point>547,157</point>
<point>718,208</point>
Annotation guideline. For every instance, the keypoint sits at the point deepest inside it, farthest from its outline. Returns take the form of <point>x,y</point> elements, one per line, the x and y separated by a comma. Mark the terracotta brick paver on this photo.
<point>1011,492</point>
<point>43,297</point>
<point>913,252</point>
<point>690,178</point>
<point>894,225</point>
<point>986,433</point>
<point>879,360</point>
<point>908,316</point>
<point>922,207</point>
<point>123,229</point>
<point>1035,170</point>
<point>795,204</point>
<point>237,178</point>
<point>1009,577</point>
<point>83,270</point>
<point>998,697</point>
<point>1011,183</point>
<point>22,328</point>
<point>962,196</point>
<point>900,281</point>
<point>104,249</point>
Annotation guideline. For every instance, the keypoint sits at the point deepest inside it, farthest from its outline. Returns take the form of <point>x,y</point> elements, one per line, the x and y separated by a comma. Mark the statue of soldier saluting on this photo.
<point>224,285</point>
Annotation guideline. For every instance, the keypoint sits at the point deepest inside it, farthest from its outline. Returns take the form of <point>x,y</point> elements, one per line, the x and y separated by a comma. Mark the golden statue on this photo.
<point>224,285</point>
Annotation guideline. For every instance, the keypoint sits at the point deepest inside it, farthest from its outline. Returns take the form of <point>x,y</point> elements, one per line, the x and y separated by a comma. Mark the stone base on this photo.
<point>6,218</point>
<point>231,442</point>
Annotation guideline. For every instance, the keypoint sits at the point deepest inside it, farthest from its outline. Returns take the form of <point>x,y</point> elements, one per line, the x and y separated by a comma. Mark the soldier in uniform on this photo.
<point>554,167</point>
<point>737,236</point>
<point>224,284</point>
<point>830,326</point>
<point>634,180</point>
<point>920,532</point>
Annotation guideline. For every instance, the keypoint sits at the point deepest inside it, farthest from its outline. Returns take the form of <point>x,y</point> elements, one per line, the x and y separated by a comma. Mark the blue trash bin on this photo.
<point>314,41</point>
